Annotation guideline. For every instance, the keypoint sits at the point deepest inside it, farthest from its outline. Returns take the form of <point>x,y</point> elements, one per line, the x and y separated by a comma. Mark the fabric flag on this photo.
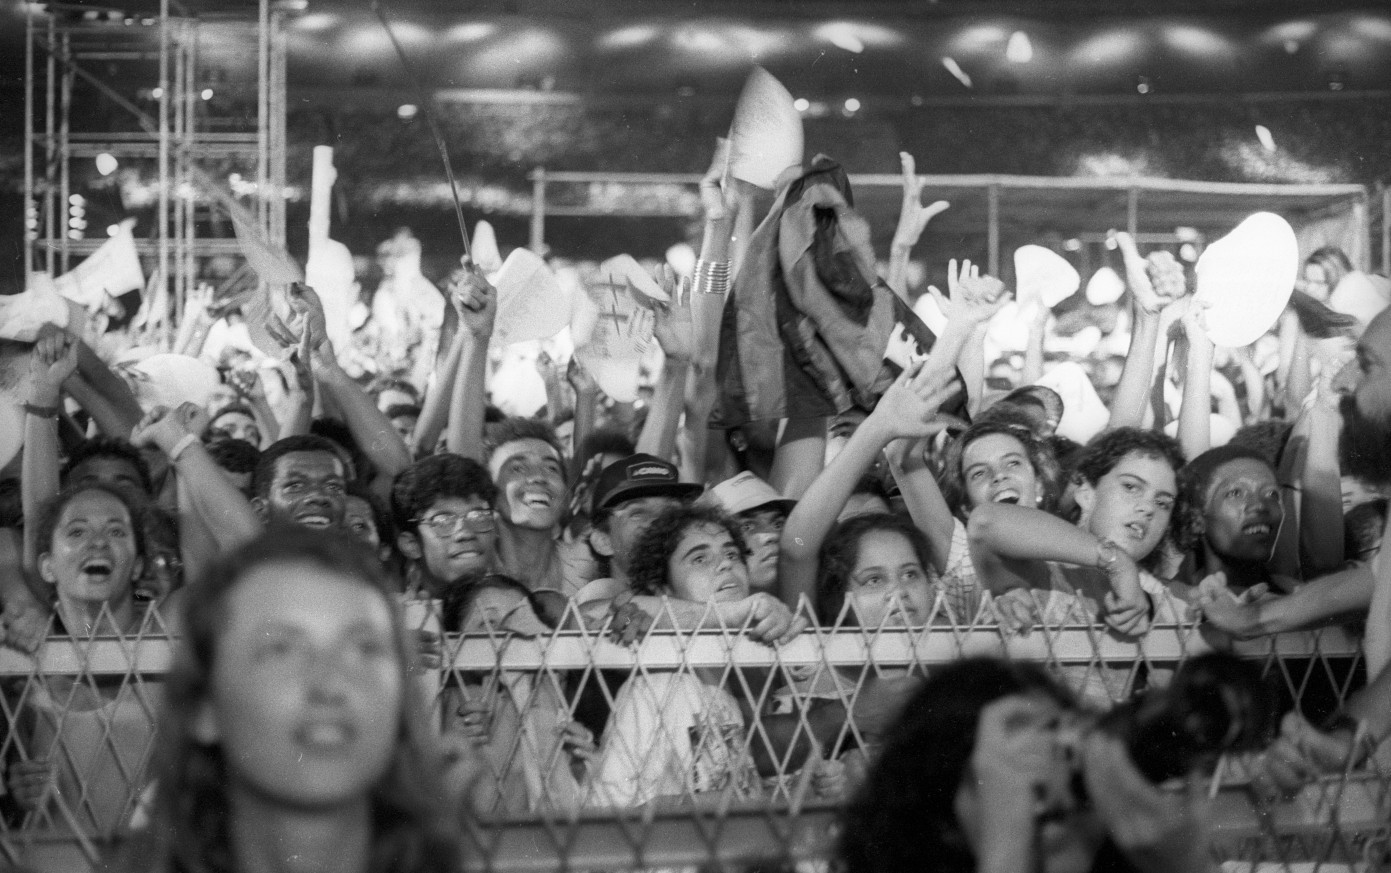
<point>107,273</point>
<point>806,327</point>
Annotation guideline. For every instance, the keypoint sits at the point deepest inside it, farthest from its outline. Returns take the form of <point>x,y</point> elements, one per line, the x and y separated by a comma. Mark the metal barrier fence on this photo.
<point>701,736</point>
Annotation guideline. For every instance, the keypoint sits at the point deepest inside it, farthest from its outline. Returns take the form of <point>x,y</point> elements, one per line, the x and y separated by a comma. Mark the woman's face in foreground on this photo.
<point>306,688</point>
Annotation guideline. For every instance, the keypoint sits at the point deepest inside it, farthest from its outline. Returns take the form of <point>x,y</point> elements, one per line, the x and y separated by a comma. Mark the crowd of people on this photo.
<point>277,522</point>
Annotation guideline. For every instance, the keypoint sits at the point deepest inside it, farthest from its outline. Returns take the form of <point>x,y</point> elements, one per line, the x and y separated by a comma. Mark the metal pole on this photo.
<point>50,190</point>
<point>1386,229</point>
<point>165,187</point>
<point>262,109</point>
<point>64,176</point>
<point>31,205</point>
<point>993,243</point>
<point>1132,211</point>
<point>538,210</point>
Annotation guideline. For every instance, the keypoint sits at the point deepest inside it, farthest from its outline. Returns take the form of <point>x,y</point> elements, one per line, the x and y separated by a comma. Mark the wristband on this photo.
<point>41,411</point>
<point>181,446</point>
<point>1106,556</point>
<point>711,277</point>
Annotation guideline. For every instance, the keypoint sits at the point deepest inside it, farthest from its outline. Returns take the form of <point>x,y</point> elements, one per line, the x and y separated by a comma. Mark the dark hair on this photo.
<point>1362,527</point>
<point>397,410</point>
<point>1193,482</point>
<point>605,441</point>
<point>337,431</point>
<point>102,446</point>
<point>264,474</point>
<point>238,408</point>
<point>903,817</point>
<point>515,428</point>
<point>381,517</point>
<point>459,597</point>
<point>648,573</point>
<point>411,821</point>
<point>1267,436</point>
<point>427,480</point>
<point>47,522</point>
<point>841,552</point>
<point>234,456</point>
<point>1108,449</point>
<point>1046,471</point>
<point>1333,261</point>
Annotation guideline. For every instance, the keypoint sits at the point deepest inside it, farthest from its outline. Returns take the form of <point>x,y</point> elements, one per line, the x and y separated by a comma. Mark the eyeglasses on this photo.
<point>447,523</point>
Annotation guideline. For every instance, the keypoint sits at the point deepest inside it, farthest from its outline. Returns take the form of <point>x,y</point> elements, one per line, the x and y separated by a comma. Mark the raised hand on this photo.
<point>672,325</point>
<point>908,408</point>
<point>309,312</point>
<point>580,380</point>
<point>51,362</point>
<point>717,195</point>
<point>473,298</point>
<point>912,215</point>
<point>974,298</point>
<point>163,428</point>
<point>1155,283</point>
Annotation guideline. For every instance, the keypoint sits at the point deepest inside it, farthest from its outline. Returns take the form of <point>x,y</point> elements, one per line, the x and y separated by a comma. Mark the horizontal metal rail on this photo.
<point>671,650</point>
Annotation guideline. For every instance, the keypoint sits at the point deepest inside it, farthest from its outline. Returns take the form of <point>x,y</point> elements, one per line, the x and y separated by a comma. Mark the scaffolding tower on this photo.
<point>132,82</point>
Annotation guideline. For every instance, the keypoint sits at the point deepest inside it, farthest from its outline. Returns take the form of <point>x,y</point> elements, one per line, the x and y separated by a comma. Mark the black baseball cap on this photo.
<point>640,475</point>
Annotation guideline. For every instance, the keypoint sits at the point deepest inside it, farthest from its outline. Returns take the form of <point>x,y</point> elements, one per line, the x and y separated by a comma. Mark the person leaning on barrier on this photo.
<point>84,739</point>
<point>290,728</point>
<point>992,769</point>
<point>1362,727</point>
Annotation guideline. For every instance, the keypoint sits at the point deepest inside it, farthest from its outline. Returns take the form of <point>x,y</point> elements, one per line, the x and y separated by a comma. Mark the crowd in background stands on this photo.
<point>626,518</point>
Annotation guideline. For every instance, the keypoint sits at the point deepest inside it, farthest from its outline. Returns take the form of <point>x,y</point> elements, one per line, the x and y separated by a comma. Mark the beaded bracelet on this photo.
<point>711,277</point>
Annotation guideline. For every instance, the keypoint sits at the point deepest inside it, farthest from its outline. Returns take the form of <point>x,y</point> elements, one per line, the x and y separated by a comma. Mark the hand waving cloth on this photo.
<point>807,324</point>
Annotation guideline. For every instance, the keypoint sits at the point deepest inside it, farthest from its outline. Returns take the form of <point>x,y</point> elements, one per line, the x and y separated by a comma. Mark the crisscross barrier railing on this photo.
<point>686,749</point>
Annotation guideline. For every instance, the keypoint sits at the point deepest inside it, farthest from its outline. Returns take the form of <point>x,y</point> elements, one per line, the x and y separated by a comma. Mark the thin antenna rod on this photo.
<point>424,99</point>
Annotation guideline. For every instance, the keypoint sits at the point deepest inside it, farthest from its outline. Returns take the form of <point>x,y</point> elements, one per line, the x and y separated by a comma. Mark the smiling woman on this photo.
<point>84,736</point>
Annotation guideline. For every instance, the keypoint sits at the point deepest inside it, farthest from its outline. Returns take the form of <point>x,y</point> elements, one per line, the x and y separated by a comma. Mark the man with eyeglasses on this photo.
<point>443,509</point>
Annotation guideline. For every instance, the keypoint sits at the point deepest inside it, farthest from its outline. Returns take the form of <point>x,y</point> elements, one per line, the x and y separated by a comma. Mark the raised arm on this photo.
<point>103,394</point>
<point>223,510</point>
<point>1321,485</point>
<point>369,426</point>
<point>51,363</point>
<point>475,301</point>
<point>905,410</point>
<point>912,221</point>
<point>674,332</point>
<point>1149,299</point>
<point>1195,419</point>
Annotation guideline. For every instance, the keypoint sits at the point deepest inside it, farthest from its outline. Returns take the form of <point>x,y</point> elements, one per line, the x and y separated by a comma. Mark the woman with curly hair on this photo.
<point>1043,568</point>
<point>291,738</point>
<point>680,735</point>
